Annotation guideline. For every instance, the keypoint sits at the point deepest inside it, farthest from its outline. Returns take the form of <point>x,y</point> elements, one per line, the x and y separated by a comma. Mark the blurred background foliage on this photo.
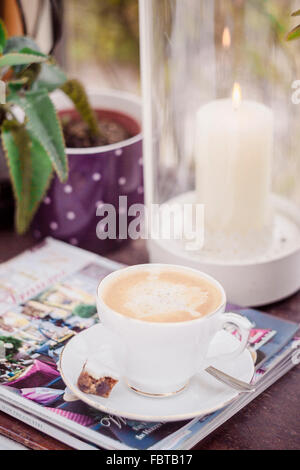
<point>103,38</point>
<point>100,47</point>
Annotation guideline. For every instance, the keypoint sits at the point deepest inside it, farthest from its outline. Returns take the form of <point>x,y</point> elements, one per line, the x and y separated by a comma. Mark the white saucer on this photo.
<point>204,394</point>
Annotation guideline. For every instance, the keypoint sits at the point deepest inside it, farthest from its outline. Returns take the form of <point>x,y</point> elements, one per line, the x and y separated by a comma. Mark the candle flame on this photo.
<point>226,40</point>
<point>237,95</point>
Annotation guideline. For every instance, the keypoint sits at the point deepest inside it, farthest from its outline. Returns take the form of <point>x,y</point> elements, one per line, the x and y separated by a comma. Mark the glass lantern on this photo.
<point>221,133</point>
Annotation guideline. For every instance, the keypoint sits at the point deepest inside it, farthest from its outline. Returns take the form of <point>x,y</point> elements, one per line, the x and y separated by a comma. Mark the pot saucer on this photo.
<point>202,396</point>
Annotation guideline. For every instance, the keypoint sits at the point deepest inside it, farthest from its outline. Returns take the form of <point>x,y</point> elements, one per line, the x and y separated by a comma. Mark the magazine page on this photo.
<point>201,429</point>
<point>29,273</point>
<point>45,427</point>
<point>273,368</point>
<point>33,334</point>
<point>268,327</point>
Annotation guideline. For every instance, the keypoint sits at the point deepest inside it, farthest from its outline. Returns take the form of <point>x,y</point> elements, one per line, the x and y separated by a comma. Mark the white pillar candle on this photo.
<point>234,147</point>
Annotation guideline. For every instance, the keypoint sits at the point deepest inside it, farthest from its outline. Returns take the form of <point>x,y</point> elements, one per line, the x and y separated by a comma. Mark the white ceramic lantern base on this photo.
<point>257,280</point>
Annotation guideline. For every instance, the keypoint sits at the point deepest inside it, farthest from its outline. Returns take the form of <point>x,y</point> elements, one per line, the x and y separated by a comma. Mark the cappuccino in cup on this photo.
<point>161,320</point>
<point>162,295</point>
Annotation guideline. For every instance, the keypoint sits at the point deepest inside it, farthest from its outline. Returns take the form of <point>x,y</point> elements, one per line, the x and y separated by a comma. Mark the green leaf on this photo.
<point>28,50</point>
<point>16,43</point>
<point>16,58</point>
<point>22,44</point>
<point>17,85</point>
<point>3,36</point>
<point>50,78</point>
<point>17,149</point>
<point>30,170</point>
<point>294,34</point>
<point>42,121</point>
<point>76,92</point>
<point>31,74</point>
<point>2,97</point>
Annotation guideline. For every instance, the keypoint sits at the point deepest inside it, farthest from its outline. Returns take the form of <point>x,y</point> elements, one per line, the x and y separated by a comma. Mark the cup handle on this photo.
<point>244,327</point>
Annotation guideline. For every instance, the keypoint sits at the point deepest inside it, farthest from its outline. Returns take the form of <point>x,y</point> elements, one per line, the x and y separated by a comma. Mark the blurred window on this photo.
<point>100,38</point>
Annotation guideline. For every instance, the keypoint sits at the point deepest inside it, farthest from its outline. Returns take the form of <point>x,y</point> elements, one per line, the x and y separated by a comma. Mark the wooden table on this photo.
<point>271,421</point>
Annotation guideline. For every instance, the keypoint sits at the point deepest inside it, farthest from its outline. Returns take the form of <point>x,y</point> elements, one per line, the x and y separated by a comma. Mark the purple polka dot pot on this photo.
<point>97,176</point>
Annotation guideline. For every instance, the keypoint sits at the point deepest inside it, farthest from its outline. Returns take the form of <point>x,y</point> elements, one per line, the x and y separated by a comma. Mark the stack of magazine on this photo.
<point>47,295</point>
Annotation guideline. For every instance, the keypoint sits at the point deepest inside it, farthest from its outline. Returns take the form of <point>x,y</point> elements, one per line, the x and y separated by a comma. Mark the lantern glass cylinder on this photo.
<point>221,124</point>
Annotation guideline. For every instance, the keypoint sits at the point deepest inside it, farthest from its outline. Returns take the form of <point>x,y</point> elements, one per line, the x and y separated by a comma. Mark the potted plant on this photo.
<point>97,174</point>
<point>104,147</point>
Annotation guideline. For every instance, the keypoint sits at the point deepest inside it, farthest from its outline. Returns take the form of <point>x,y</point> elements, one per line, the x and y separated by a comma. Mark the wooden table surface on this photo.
<point>271,421</point>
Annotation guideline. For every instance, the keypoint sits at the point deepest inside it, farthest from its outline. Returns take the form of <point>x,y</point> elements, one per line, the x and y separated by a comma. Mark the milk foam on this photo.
<point>169,295</point>
<point>154,297</point>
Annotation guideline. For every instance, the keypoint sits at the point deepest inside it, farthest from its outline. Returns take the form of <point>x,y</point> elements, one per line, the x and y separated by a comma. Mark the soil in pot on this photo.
<point>114,127</point>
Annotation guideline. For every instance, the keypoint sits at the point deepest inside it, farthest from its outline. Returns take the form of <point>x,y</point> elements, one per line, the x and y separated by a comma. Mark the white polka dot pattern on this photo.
<point>71,215</point>
<point>122,181</point>
<point>68,189</point>
<point>96,177</point>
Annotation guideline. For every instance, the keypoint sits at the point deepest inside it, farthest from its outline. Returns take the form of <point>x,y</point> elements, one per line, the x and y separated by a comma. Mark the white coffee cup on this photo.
<point>159,359</point>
